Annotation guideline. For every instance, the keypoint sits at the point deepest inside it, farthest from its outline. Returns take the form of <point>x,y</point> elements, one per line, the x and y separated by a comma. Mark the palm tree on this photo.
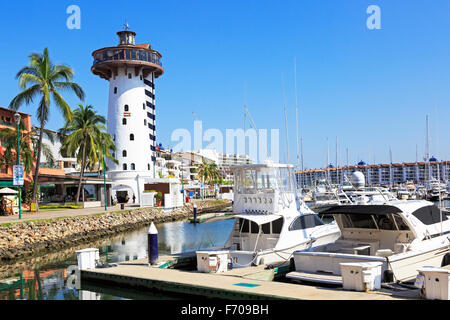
<point>208,172</point>
<point>105,144</point>
<point>44,79</point>
<point>84,137</point>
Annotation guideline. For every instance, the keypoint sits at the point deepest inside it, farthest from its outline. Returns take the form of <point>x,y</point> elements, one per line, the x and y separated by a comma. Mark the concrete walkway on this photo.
<point>42,215</point>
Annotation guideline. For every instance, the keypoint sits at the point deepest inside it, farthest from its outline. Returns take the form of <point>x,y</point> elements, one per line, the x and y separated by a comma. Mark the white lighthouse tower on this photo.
<point>131,70</point>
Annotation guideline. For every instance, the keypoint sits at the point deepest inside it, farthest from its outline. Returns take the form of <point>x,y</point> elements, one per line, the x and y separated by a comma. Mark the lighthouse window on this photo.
<point>124,121</point>
<point>148,166</point>
<point>131,137</point>
<point>140,76</point>
<point>126,107</point>
<point>124,153</point>
<point>124,166</point>
<point>145,122</point>
<point>132,166</point>
<point>129,76</point>
<point>143,106</point>
<point>115,90</point>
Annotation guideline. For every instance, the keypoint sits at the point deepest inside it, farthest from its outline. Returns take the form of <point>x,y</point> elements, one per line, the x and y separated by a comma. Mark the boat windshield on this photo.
<point>263,180</point>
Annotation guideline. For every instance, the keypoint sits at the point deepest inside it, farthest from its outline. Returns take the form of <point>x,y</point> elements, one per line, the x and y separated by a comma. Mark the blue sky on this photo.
<point>370,88</point>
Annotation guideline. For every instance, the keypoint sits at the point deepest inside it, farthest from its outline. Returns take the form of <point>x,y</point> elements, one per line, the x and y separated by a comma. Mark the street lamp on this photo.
<point>17,119</point>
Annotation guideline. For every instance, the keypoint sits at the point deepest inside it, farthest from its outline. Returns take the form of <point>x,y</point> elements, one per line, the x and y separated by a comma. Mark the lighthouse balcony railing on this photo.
<point>127,54</point>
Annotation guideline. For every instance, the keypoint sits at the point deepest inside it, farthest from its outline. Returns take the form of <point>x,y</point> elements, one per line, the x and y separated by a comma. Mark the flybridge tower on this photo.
<point>131,70</point>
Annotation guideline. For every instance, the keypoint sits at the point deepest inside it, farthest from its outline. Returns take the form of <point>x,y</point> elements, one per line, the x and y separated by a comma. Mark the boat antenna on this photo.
<point>285,120</point>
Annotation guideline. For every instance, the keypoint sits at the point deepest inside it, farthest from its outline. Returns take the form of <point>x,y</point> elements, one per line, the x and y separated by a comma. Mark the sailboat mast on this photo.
<point>337,167</point>
<point>427,148</point>
<point>390,167</point>
<point>296,111</point>
<point>328,162</point>
<point>285,120</point>
<point>245,114</point>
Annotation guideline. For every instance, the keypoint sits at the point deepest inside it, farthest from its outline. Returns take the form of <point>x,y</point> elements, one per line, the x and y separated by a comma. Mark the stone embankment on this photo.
<point>24,239</point>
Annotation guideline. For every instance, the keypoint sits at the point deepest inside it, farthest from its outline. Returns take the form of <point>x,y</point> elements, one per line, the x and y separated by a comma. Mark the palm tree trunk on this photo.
<point>38,160</point>
<point>83,160</point>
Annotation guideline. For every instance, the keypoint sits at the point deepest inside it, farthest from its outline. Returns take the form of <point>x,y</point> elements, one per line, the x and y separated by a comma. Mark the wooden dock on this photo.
<point>237,284</point>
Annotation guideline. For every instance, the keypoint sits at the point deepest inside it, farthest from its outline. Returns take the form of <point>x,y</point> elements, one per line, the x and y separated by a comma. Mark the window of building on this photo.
<point>124,153</point>
<point>143,106</point>
<point>145,122</point>
<point>148,166</point>
<point>132,166</point>
<point>126,107</point>
<point>115,90</point>
<point>131,137</point>
<point>124,121</point>
<point>129,76</point>
<point>140,76</point>
<point>124,166</point>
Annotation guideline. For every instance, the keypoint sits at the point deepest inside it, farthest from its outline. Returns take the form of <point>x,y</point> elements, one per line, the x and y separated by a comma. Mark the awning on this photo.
<point>259,218</point>
<point>362,209</point>
<point>8,191</point>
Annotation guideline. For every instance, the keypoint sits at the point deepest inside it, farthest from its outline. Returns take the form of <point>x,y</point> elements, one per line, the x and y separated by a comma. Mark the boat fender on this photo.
<point>388,276</point>
<point>446,260</point>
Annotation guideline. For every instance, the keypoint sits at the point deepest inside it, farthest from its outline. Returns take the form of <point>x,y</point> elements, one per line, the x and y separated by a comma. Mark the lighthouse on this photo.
<point>131,70</point>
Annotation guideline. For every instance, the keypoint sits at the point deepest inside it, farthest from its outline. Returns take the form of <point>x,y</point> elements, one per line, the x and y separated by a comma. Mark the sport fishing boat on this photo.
<point>402,235</point>
<point>271,220</point>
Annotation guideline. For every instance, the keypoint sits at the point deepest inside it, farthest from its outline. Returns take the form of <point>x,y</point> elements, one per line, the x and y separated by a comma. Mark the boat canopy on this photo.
<point>259,219</point>
<point>362,209</point>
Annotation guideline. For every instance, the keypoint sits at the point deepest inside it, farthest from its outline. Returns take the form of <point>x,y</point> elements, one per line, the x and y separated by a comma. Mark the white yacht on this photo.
<point>402,235</point>
<point>436,190</point>
<point>271,221</point>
